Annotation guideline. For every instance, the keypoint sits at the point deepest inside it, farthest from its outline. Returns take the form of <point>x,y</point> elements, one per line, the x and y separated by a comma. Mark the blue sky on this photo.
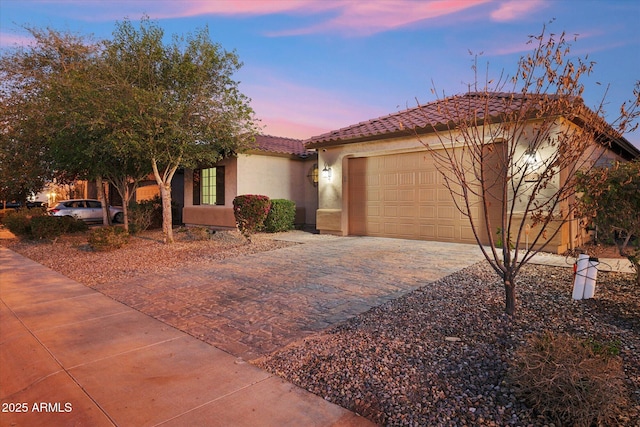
<point>311,66</point>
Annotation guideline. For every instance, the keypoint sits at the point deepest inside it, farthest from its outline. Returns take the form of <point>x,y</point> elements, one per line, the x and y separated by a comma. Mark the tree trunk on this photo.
<point>106,220</point>
<point>510,297</point>
<point>167,220</point>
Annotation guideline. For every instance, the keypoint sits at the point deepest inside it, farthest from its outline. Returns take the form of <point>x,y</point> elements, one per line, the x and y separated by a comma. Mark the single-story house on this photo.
<point>378,178</point>
<point>280,168</point>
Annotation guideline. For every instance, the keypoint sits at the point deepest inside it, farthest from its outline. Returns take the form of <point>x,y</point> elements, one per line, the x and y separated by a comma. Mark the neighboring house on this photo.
<point>380,180</point>
<point>280,168</point>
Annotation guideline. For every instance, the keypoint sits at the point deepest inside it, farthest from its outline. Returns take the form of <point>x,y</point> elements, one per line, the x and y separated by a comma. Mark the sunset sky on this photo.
<point>311,66</point>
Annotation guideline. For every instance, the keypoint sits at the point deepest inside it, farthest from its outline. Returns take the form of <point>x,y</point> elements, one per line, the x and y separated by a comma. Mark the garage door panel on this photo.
<point>390,179</point>
<point>390,212</point>
<point>446,232</point>
<point>390,195</point>
<point>446,212</point>
<point>428,212</point>
<point>427,195</point>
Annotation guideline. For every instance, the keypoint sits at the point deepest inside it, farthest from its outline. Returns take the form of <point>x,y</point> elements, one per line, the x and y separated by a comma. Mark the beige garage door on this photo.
<point>403,196</point>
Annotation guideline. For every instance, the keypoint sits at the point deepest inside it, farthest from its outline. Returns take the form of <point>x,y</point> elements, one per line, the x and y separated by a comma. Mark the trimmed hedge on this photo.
<point>250,211</point>
<point>281,217</point>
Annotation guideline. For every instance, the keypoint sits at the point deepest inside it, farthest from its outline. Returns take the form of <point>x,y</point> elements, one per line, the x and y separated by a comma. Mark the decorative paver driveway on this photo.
<point>252,305</point>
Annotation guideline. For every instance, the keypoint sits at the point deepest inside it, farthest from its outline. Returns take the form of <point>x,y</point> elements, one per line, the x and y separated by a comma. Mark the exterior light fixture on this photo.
<point>314,175</point>
<point>531,158</point>
<point>326,172</point>
<point>532,164</point>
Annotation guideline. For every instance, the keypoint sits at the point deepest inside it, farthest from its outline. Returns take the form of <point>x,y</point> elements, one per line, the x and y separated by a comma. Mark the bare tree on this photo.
<point>508,151</point>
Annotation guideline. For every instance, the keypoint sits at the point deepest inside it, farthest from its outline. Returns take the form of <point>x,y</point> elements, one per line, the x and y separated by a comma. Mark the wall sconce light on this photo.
<point>326,172</point>
<point>531,158</point>
<point>532,164</point>
<point>313,175</point>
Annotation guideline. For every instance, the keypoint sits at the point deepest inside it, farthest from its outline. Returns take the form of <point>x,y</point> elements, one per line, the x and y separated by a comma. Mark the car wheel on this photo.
<point>119,218</point>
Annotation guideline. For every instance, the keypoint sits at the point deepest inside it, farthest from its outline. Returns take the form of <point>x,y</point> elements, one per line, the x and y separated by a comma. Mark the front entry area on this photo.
<point>403,196</point>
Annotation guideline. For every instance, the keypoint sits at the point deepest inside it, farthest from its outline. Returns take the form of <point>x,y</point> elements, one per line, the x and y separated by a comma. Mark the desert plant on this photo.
<point>108,238</point>
<point>197,233</point>
<point>250,211</point>
<point>281,216</point>
<point>571,381</point>
<point>610,198</point>
<point>19,221</point>
<point>145,214</point>
<point>50,227</point>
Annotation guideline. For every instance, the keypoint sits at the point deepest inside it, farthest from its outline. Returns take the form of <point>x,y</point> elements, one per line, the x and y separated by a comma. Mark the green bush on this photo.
<point>281,217</point>
<point>50,227</point>
<point>250,211</point>
<point>108,238</point>
<point>145,214</point>
<point>570,381</point>
<point>18,222</point>
<point>197,233</point>
<point>36,224</point>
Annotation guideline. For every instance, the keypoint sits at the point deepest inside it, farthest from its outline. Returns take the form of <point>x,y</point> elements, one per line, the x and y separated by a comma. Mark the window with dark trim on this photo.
<point>208,186</point>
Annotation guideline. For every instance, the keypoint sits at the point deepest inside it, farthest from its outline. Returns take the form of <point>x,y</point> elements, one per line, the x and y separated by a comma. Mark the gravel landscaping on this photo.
<point>437,356</point>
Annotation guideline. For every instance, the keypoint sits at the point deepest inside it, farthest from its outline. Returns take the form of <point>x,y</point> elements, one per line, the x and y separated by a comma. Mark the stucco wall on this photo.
<point>272,176</point>
<point>216,216</point>
<point>280,178</point>
<point>333,216</point>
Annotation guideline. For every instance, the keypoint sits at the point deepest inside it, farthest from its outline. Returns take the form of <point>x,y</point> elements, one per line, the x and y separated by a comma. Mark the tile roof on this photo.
<point>423,117</point>
<point>281,145</point>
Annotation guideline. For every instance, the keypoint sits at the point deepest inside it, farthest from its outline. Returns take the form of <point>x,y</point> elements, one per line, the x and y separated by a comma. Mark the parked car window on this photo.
<point>94,204</point>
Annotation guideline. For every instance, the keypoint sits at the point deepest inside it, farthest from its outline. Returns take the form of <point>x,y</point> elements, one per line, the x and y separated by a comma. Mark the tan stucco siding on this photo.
<point>215,216</point>
<point>272,176</point>
<point>279,178</point>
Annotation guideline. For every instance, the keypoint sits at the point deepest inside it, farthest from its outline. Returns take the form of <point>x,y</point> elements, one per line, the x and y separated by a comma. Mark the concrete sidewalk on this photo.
<point>70,355</point>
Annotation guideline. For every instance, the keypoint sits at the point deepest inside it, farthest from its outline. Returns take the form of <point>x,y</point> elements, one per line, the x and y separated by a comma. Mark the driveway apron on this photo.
<point>253,305</point>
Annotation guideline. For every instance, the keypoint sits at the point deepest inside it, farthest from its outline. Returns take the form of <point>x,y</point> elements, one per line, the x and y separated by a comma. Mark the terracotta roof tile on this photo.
<point>423,117</point>
<point>281,145</point>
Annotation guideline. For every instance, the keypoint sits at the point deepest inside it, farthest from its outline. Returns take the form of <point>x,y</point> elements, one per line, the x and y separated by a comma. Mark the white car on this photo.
<point>88,210</point>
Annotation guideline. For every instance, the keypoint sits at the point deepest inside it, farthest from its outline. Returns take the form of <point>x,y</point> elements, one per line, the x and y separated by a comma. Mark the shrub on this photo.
<point>250,211</point>
<point>197,233</point>
<point>18,222</point>
<point>108,238</point>
<point>145,214</point>
<point>50,227</point>
<point>73,225</point>
<point>571,381</point>
<point>281,217</point>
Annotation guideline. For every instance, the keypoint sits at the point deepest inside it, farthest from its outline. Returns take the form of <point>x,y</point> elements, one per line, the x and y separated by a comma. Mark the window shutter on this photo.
<point>220,185</point>
<point>196,186</point>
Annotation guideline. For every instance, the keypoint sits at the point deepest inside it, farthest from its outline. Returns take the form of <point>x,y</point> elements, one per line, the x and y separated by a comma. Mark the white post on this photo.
<point>590,280</point>
<point>581,276</point>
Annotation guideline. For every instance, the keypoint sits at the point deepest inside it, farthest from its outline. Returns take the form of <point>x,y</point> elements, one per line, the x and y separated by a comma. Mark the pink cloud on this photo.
<point>365,18</point>
<point>301,111</point>
<point>14,40</point>
<point>279,126</point>
<point>515,9</point>
<point>348,16</point>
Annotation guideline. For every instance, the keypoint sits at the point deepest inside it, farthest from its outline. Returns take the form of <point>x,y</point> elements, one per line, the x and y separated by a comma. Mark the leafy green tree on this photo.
<point>179,105</point>
<point>24,167</point>
<point>610,200</point>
